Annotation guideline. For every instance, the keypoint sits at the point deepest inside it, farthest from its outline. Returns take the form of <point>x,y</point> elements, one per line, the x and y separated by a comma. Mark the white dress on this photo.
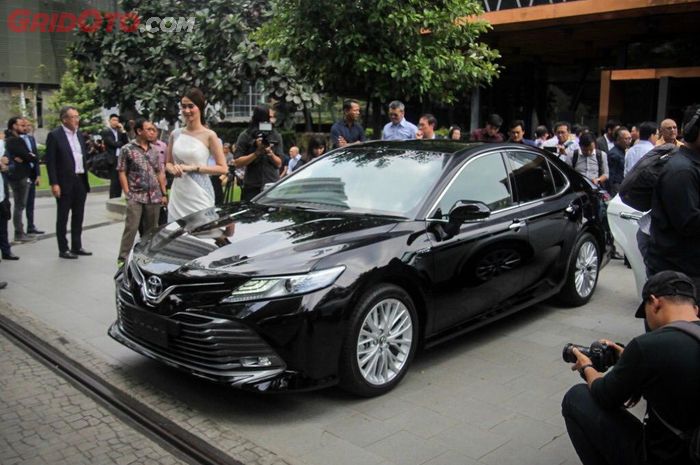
<point>192,191</point>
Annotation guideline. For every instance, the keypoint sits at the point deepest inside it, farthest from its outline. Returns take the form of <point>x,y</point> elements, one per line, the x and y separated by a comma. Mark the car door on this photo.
<point>479,266</point>
<point>540,191</point>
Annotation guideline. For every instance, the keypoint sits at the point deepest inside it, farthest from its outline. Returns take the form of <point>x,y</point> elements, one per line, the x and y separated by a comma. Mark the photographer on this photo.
<point>661,366</point>
<point>259,149</point>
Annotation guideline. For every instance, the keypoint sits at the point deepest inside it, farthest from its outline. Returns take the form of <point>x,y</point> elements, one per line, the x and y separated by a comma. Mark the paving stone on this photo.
<point>407,449</point>
<point>471,440</point>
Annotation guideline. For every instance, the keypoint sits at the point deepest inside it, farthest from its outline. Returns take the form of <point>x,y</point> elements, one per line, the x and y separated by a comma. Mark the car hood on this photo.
<point>249,239</point>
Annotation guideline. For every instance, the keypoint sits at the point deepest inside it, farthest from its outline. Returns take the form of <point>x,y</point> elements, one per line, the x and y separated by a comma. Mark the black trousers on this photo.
<point>71,202</point>
<point>247,193</point>
<point>5,246</point>
<point>115,189</point>
<point>30,206</point>
<point>611,437</point>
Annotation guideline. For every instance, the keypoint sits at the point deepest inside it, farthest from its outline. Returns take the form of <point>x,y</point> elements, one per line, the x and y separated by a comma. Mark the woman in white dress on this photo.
<point>187,159</point>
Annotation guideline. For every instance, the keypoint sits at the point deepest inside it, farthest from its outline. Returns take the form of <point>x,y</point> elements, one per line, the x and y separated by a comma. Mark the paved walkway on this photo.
<point>45,420</point>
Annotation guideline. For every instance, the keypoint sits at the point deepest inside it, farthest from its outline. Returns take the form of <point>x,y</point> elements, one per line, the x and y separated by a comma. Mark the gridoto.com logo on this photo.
<point>23,20</point>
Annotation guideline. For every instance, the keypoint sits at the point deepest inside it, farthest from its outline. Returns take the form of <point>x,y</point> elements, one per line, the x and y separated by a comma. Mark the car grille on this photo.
<point>179,325</point>
<point>200,342</point>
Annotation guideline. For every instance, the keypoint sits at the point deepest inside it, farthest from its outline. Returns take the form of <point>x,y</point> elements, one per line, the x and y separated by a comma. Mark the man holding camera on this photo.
<point>662,366</point>
<point>259,149</point>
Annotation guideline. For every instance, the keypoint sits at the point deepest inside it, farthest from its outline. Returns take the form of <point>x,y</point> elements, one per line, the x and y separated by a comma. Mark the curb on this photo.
<point>47,192</point>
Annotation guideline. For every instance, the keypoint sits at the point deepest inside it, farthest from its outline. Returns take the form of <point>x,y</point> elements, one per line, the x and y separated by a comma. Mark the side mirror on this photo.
<point>467,210</point>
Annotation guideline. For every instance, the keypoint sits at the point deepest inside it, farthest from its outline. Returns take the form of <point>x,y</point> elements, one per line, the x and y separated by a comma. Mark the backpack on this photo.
<point>692,437</point>
<point>637,188</point>
<point>598,157</point>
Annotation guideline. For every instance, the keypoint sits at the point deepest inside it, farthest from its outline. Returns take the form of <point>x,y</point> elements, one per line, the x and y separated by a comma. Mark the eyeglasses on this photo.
<point>187,106</point>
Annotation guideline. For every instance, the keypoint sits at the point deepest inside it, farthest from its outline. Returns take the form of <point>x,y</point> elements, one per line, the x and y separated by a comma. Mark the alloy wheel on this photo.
<point>586,269</point>
<point>384,342</point>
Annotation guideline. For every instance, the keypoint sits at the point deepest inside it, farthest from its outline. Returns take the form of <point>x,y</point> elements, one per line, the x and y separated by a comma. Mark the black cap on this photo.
<point>666,283</point>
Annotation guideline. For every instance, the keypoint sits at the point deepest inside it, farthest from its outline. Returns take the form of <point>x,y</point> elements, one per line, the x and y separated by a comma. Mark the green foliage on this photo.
<point>383,49</point>
<point>154,67</point>
<point>78,91</point>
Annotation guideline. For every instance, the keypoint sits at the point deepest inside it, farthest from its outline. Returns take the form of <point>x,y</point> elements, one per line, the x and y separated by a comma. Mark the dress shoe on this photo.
<point>3,284</point>
<point>9,256</point>
<point>67,254</point>
<point>82,252</point>
<point>35,231</point>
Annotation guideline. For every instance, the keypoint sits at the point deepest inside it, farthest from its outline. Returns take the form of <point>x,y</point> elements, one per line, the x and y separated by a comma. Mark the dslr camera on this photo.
<point>602,355</point>
<point>264,130</point>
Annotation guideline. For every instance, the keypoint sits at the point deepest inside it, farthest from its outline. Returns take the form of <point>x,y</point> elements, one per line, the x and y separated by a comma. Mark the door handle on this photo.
<point>631,216</point>
<point>517,224</point>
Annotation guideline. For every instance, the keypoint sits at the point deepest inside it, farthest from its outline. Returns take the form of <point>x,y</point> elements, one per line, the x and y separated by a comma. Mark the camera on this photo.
<point>602,355</point>
<point>264,130</point>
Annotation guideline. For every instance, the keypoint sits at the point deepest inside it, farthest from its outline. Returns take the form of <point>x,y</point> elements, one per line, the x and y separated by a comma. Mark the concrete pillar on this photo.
<point>662,103</point>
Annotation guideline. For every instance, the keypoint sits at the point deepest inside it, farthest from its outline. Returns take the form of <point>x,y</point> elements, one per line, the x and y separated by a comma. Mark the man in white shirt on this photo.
<point>562,144</point>
<point>398,128</point>
<point>648,134</point>
<point>65,152</point>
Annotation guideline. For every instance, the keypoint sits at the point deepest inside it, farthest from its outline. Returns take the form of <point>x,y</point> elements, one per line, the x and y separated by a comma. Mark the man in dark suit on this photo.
<point>114,138</point>
<point>65,155</point>
<point>34,177</point>
<point>606,141</point>
<point>22,162</point>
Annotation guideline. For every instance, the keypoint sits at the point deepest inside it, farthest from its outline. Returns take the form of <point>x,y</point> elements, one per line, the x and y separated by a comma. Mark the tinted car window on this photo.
<point>483,179</point>
<point>558,177</point>
<point>531,176</point>
<point>363,180</point>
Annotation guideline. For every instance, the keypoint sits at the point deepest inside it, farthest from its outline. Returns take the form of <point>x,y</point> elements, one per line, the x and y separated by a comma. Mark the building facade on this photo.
<point>585,61</point>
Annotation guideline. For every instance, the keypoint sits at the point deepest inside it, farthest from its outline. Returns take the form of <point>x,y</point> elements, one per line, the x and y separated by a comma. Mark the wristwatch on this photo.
<point>582,370</point>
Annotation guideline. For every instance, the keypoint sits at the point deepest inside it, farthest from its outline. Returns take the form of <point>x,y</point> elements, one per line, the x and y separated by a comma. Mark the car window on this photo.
<point>373,180</point>
<point>483,179</point>
<point>531,176</point>
<point>560,181</point>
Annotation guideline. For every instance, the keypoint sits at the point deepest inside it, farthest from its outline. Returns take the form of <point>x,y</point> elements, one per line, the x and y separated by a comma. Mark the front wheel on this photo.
<point>380,342</point>
<point>582,273</point>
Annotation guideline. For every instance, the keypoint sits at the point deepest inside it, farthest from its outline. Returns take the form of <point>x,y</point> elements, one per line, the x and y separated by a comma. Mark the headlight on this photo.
<point>284,286</point>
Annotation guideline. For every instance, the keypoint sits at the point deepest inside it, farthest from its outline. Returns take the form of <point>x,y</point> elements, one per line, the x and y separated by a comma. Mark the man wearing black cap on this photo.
<point>662,366</point>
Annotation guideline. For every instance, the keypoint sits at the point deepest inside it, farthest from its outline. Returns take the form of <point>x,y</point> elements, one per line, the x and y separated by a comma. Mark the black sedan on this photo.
<point>341,271</point>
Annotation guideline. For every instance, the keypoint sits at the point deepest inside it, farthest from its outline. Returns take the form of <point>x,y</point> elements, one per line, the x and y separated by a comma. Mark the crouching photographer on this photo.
<point>663,366</point>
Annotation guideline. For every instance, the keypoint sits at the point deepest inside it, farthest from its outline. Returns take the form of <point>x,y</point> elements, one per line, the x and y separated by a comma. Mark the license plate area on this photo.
<point>151,327</point>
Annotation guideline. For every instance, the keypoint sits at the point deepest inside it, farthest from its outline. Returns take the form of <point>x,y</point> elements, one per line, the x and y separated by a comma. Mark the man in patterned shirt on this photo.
<point>142,178</point>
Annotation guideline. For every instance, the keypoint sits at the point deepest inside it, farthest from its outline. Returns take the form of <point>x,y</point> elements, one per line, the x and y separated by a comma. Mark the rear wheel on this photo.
<point>582,275</point>
<point>380,342</point>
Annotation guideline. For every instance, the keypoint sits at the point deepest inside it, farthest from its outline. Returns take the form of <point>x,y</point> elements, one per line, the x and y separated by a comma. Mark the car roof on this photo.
<point>433,145</point>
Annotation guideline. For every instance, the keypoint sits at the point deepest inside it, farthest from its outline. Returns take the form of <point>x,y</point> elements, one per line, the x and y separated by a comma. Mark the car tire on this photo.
<point>582,273</point>
<point>380,341</point>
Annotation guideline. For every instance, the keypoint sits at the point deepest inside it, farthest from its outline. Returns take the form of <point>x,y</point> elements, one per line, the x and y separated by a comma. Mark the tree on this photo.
<point>79,92</point>
<point>383,49</point>
<point>154,68</point>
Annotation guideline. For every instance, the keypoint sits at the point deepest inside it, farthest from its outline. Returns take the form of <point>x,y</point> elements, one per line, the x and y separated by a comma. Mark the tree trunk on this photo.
<point>376,118</point>
<point>308,119</point>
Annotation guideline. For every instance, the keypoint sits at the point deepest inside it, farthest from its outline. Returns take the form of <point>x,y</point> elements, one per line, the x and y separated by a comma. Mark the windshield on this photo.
<point>363,180</point>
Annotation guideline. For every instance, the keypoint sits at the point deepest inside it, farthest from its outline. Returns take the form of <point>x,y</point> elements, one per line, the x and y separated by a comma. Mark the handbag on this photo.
<point>100,165</point>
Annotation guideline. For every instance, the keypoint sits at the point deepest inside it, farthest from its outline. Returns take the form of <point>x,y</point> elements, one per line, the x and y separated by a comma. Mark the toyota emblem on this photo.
<point>154,286</point>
